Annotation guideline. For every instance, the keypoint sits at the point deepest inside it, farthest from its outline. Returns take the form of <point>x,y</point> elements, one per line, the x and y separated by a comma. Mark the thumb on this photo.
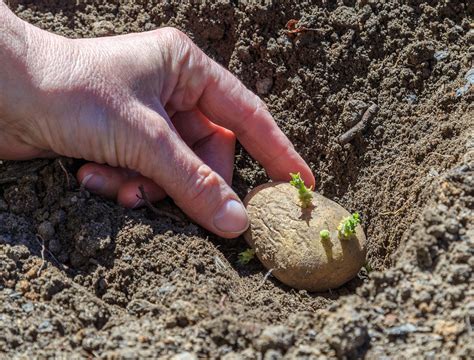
<point>197,189</point>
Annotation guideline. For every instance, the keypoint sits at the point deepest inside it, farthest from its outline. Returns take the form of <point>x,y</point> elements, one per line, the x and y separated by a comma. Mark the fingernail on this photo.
<point>231,217</point>
<point>139,203</point>
<point>93,182</point>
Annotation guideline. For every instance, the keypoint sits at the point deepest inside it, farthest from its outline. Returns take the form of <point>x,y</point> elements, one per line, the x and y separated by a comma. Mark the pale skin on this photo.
<point>145,109</point>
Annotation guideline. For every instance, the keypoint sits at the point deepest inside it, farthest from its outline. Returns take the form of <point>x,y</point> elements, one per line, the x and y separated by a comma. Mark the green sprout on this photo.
<point>246,256</point>
<point>325,235</point>
<point>348,225</point>
<point>305,194</point>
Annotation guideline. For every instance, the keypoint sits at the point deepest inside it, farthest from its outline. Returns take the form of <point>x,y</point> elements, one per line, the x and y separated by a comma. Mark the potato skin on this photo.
<point>286,238</point>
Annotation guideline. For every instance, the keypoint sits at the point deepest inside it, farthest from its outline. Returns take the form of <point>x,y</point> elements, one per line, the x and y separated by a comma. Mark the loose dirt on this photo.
<point>82,277</point>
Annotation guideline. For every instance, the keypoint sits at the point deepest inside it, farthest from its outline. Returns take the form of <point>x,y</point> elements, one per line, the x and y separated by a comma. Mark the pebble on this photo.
<point>166,289</point>
<point>15,295</point>
<point>411,98</point>
<point>440,55</point>
<point>470,76</point>
<point>27,307</point>
<point>469,82</point>
<point>45,327</point>
<point>401,330</point>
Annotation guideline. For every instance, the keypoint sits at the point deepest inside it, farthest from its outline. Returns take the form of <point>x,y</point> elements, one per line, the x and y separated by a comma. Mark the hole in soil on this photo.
<point>103,262</point>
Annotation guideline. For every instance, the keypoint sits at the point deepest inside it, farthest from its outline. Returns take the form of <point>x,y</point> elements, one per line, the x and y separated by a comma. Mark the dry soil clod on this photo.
<point>357,128</point>
<point>286,238</point>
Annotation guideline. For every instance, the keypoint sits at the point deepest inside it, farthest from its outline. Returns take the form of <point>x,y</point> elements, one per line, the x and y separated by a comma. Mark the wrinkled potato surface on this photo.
<point>286,238</point>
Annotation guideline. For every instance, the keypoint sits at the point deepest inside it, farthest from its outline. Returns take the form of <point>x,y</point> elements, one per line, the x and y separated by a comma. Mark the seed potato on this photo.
<point>286,238</point>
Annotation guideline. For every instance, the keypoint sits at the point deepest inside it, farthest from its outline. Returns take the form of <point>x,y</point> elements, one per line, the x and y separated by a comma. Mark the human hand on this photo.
<point>146,109</point>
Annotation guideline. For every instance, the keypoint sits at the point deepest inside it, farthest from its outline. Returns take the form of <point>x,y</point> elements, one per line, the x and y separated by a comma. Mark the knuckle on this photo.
<point>173,35</point>
<point>201,184</point>
<point>147,132</point>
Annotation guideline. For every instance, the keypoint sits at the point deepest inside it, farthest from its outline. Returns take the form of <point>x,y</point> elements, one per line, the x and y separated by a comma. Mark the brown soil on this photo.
<point>130,284</point>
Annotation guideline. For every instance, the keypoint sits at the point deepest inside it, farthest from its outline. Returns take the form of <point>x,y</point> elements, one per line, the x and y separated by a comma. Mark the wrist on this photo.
<point>14,73</point>
<point>23,49</point>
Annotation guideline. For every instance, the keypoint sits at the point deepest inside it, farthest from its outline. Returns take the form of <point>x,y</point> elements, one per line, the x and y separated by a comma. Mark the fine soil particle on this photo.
<point>81,276</point>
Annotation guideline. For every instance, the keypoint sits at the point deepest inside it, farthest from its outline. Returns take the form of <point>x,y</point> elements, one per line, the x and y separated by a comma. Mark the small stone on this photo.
<point>45,327</point>
<point>27,307</point>
<point>411,98</point>
<point>15,295</point>
<point>166,289</point>
<point>470,76</point>
<point>401,330</point>
<point>440,55</point>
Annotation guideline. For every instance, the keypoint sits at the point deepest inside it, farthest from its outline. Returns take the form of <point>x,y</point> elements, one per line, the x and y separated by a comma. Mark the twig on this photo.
<point>44,248</point>
<point>65,172</point>
<point>160,212</point>
<point>357,128</point>
<point>396,212</point>
<point>222,301</point>
<point>265,278</point>
<point>38,273</point>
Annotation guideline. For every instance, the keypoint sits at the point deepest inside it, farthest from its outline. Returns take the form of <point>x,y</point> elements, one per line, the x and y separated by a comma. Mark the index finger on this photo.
<point>228,103</point>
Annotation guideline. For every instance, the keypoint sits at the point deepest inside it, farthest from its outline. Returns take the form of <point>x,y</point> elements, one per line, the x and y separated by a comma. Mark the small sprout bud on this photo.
<point>305,194</point>
<point>348,225</point>
<point>325,235</point>
<point>246,256</point>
